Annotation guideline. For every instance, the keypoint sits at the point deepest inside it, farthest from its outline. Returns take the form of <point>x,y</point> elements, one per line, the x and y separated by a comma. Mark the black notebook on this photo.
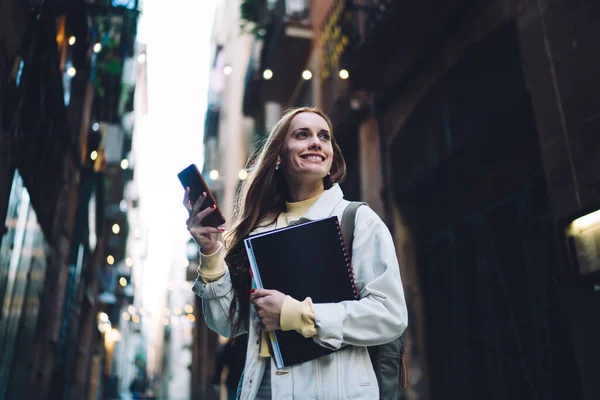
<point>309,259</point>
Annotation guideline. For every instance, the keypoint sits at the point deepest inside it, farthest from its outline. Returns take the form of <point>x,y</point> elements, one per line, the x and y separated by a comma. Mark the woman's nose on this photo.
<point>315,143</point>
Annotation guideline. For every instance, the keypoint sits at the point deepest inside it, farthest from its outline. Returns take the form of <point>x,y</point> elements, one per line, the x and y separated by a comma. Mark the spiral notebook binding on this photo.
<point>348,260</point>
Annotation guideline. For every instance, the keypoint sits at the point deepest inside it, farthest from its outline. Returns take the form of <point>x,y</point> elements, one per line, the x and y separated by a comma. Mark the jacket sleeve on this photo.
<point>380,315</point>
<point>216,298</point>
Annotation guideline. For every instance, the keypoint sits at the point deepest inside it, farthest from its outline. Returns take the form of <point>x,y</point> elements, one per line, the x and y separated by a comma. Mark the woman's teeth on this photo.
<point>313,158</point>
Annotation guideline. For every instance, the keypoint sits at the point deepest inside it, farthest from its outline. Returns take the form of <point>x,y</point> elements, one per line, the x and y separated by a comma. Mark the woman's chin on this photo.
<point>310,175</point>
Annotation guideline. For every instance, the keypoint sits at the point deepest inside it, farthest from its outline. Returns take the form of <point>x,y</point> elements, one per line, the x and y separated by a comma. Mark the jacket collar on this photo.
<point>324,207</point>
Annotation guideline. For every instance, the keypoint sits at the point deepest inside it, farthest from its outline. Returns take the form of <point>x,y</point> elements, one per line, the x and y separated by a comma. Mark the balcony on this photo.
<point>385,38</point>
<point>286,46</point>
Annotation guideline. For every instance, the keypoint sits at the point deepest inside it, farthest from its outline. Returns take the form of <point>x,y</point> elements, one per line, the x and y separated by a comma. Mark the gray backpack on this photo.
<point>389,360</point>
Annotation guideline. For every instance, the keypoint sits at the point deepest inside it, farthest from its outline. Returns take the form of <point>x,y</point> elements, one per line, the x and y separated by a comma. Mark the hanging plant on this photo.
<point>253,17</point>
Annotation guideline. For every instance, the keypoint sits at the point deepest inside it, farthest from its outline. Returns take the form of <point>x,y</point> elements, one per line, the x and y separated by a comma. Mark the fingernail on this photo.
<point>252,290</point>
<point>250,270</point>
<point>222,229</point>
<point>203,194</point>
<point>213,206</point>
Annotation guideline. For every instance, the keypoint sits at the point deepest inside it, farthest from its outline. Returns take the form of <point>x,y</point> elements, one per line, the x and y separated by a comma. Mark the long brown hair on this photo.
<point>260,200</point>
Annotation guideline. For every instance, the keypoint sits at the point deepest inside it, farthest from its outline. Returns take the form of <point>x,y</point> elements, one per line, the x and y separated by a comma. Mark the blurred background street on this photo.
<point>471,127</point>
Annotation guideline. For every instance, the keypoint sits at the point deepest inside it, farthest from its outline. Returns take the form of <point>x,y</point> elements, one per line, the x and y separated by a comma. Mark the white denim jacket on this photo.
<point>380,316</point>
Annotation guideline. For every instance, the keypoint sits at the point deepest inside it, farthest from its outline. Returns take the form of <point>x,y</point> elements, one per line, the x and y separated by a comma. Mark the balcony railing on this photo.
<point>286,42</point>
<point>378,41</point>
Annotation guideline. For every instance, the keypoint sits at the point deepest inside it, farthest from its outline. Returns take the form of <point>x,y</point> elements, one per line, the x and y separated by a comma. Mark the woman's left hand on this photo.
<point>268,307</point>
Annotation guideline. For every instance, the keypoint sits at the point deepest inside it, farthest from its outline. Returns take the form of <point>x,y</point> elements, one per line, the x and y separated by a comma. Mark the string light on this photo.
<point>142,58</point>
<point>116,228</point>
<point>227,70</point>
<point>344,74</point>
<point>110,260</point>
<point>123,282</point>
<point>267,74</point>
<point>94,155</point>
<point>306,75</point>
<point>214,174</point>
<point>72,40</point>
<point>71,71</point>
<point>124,164</point>
<point>97,48</point>
<point>129,262</point>
<point>243,174</point>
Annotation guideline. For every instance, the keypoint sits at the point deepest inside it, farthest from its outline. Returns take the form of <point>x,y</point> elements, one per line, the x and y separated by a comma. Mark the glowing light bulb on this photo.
<point>267,74</point>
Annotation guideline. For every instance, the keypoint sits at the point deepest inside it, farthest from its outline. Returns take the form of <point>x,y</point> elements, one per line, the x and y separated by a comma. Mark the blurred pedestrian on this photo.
<point>295,175</point>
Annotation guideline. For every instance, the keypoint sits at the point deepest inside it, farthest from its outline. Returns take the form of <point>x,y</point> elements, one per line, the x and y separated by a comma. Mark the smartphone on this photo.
<point>192,178</point>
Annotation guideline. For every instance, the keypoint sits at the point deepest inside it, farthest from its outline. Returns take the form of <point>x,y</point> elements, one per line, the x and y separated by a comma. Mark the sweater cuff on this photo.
<point>212,266</point>
<point>298,316</point>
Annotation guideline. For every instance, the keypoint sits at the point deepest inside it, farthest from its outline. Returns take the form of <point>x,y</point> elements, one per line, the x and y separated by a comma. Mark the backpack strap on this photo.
<point>348,220</point>
<point>389,359</point>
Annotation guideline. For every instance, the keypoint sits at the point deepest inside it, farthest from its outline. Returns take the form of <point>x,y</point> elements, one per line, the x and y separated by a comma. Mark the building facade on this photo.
<point>63,273</point>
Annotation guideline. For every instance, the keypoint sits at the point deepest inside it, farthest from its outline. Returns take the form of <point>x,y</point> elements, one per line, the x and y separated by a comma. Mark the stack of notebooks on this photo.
<point>304,260</point>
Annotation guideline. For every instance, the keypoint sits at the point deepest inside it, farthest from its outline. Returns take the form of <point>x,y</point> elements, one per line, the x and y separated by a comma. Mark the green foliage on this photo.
<point>252,15</point>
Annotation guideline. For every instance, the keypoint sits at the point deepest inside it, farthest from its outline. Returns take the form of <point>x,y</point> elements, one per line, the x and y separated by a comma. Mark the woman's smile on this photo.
<point>313,157</point>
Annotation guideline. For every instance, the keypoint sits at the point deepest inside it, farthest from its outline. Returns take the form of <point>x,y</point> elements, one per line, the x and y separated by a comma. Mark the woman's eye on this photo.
<point>301,135</point>
<point>324,136</point>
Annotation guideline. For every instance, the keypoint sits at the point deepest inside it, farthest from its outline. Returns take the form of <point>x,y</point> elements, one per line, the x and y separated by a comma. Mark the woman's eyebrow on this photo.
<point>306,129</point>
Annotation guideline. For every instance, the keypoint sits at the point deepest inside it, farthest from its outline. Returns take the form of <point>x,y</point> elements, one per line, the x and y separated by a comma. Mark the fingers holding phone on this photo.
<point>205,236</point>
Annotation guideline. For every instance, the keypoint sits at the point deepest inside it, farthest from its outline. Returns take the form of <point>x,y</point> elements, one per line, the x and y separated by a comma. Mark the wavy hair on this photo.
<point>260,200</point>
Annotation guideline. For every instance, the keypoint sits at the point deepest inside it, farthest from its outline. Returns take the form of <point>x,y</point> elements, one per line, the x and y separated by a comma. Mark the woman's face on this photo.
<point>307,152</point>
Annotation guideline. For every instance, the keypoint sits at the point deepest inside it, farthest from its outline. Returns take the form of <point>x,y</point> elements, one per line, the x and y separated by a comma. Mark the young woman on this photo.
<point>296,175</point>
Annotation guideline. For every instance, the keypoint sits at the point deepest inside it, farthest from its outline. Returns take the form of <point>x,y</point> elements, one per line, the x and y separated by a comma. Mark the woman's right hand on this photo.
<point>205,236</point>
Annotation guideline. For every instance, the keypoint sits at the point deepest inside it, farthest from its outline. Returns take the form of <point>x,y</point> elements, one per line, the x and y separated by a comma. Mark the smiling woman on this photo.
<point>296,175</point>
<point>306,155</point>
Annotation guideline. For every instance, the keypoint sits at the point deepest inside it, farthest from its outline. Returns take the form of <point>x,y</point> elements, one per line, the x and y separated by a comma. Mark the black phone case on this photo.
<point>191,177</point>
